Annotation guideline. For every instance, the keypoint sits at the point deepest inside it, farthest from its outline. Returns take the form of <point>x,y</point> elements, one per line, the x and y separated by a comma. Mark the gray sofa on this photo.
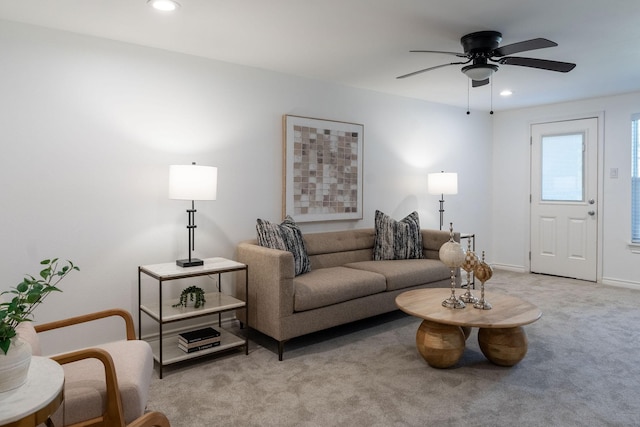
<point>344,284</point>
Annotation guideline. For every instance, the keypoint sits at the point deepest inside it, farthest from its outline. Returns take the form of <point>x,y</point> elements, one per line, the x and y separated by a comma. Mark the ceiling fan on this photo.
<point>482,47</point>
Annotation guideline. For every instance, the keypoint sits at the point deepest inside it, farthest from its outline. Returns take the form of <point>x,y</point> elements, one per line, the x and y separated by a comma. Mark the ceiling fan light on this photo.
<point>479,71</point>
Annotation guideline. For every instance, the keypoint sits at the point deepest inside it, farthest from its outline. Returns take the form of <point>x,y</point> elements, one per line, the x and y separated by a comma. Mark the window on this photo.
<point>635,179</point>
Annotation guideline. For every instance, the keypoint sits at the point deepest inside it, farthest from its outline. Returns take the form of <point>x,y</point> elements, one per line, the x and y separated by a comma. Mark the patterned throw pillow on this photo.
<point>397,239</point>
<point>286,237</point>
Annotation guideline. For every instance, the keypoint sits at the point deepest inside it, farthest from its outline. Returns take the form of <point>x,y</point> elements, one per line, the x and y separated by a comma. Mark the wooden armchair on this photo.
<point>106,385</point>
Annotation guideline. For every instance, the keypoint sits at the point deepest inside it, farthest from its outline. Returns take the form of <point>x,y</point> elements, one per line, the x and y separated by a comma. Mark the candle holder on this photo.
<point>483,272</point>
<point>452,255</point>
<point>469,265</point>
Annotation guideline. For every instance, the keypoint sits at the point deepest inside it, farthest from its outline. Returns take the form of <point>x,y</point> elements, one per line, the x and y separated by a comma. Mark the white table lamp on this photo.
<point>191,182</point>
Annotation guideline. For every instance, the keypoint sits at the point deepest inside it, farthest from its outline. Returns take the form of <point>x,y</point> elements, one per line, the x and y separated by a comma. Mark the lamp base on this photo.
<point>193,262</point>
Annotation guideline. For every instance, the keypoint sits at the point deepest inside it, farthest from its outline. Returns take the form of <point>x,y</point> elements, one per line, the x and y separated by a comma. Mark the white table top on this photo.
<point>45,381</point>
<point>211,265</point>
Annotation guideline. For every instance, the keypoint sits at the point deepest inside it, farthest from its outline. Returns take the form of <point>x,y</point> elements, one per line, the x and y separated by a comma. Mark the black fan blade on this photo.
<point>543,64</point>
<point>428,69</point>
<point>523,46</point>
<point>478,83</point>
<point>459,55</point>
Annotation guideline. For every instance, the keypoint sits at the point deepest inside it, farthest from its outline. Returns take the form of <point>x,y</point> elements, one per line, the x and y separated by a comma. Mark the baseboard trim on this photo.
<point>619,283</point>
<point>607,281</point>
<point>508,267</point>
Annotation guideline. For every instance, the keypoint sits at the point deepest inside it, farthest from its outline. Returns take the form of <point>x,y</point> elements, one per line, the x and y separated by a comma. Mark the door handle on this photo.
<point>591,201</point>
<point>592,213</point>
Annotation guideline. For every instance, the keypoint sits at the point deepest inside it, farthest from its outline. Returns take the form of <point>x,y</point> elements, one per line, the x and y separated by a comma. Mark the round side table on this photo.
<point>37,399</point>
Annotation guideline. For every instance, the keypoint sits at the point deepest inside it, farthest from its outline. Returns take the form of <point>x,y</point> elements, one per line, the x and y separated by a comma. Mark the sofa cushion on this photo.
<point>327,286</point>
<point>285,237</point>
<point>397,239</point>
<point>402,274</point>
<point>330,242</point>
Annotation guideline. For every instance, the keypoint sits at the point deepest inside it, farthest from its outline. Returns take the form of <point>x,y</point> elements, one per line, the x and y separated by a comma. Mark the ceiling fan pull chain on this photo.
<point>491,112</point>
<point>468,90</point>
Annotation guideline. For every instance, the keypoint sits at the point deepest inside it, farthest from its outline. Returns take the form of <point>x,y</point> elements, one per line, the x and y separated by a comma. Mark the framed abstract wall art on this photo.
<point>322,169</point>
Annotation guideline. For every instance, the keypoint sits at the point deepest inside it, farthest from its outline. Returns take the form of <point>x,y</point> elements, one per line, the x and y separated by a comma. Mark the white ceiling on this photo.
<point>366,43</point>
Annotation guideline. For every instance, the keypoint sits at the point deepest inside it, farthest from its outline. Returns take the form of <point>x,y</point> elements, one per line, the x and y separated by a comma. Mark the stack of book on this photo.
<point>197,340</point>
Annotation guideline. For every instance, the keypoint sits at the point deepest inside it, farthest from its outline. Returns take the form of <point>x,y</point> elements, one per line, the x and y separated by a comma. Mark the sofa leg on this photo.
<point>280,350</point>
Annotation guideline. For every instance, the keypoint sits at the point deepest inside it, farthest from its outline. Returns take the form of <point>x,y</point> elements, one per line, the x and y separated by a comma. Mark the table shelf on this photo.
<point>216,302</point>
<point>173,354</point>
<point>165,346</point>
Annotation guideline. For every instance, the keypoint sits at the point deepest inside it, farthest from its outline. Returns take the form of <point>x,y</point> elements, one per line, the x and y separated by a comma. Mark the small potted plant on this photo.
<point>193,294</point>
<point>17,308</point>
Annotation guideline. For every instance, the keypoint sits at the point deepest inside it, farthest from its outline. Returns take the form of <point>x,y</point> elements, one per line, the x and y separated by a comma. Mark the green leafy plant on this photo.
<point>27,296</point>
<point>192,293</point>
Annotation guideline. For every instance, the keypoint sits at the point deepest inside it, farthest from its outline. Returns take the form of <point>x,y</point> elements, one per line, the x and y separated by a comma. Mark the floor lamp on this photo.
<point>191,182</point>
<point>442,183</point>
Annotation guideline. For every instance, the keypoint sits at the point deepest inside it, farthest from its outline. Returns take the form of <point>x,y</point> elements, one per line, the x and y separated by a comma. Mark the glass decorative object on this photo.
<point>469,265</point>
<point>483,273</point>
<point>452,255</point>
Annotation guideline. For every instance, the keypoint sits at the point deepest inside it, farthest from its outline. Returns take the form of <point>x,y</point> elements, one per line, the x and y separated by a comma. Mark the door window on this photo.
<point>562,168</point>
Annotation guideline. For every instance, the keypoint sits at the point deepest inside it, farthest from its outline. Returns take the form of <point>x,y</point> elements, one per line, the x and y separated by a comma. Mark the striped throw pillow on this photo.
<point>397,239</point>
<point>286,237</point>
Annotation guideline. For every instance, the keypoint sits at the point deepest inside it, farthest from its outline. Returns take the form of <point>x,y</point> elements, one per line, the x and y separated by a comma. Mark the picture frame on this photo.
<point>323,165</point>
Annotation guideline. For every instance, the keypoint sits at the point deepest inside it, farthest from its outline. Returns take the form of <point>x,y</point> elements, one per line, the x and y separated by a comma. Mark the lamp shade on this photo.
<point>193,182</point>
<point>442,183</point>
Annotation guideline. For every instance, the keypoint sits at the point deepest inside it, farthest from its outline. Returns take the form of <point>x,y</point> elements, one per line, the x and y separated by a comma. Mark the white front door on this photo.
<point>564,195</point>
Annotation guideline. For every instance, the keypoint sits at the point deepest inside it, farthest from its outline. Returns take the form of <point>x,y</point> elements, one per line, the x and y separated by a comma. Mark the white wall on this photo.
<point>511,183</point>
<point>88,128</point>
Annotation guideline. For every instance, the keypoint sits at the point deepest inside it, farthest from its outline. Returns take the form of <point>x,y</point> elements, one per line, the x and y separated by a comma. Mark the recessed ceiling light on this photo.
<point>506,92</point>
<point>164,5</point>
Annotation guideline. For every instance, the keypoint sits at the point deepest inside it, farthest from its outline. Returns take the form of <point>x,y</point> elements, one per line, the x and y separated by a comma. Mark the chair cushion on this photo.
<point>85,389</point>
<point>326,286</point>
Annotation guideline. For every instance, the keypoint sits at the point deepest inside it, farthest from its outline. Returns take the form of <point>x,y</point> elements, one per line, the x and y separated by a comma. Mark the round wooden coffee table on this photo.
<point>441,336</point>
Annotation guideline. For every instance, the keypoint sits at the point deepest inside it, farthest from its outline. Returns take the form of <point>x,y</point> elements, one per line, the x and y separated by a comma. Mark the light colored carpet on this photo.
<point>582,369</point>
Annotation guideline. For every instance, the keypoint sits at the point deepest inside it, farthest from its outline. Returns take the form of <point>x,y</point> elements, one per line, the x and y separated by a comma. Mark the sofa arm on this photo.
<point>432,240</point>
<point>271,274</point>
